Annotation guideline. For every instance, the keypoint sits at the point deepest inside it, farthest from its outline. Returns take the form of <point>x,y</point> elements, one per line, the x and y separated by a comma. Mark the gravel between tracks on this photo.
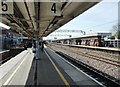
<point>109,69</point>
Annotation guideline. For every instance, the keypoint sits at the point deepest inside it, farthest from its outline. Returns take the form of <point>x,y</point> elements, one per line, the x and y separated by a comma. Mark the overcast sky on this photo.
<point>100,18</point>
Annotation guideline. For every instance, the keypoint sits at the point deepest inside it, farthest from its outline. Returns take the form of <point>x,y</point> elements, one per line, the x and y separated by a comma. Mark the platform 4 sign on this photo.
<point>6,6</point>
<point>54,9</point>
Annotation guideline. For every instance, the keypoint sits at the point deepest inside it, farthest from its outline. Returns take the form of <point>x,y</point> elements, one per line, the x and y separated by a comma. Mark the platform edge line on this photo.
<point>60,74</point>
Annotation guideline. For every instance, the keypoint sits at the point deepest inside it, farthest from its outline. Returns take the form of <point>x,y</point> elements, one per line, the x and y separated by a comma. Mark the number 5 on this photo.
<point>4,5</point>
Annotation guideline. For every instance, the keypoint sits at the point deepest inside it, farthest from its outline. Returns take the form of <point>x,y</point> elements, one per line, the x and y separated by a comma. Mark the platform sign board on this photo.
<point>54,9</point>
<point>6,6</point>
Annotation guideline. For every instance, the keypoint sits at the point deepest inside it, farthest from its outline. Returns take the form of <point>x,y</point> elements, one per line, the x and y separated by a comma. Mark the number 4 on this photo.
<point>53,7</point>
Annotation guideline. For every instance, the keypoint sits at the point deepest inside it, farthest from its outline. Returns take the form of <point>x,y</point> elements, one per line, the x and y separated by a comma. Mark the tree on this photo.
<point>116,31</point>
<point>111,37</point>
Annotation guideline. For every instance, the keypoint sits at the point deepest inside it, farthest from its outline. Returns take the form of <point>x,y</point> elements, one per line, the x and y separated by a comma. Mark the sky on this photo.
<point>100,18</point>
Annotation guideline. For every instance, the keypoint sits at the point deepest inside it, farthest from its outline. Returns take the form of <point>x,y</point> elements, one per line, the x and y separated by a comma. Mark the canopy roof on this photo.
<point>42,18</point>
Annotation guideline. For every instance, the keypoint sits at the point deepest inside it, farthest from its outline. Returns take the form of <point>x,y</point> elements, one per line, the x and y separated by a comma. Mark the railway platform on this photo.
<point>52,70</point>
<point>49,70</point>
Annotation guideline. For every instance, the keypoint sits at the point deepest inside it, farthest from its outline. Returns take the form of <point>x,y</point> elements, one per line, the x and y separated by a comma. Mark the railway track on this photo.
<point>11,54</point>
<point>103,59</point>
<point>99,76</point>
<point>5,60</point>
<point>105,54</point>
<point>101,71</point>
<point>110,61</point>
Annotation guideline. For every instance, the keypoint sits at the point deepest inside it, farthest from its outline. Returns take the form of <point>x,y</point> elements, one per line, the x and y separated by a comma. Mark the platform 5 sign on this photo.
<point>6,6</point>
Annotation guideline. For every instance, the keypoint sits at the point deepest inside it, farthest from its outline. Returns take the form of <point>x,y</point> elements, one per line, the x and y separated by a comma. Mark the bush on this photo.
<point>111,37</point>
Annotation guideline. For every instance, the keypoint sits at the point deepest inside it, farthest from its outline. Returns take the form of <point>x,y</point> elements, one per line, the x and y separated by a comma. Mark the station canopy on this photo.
<point>42,17</point>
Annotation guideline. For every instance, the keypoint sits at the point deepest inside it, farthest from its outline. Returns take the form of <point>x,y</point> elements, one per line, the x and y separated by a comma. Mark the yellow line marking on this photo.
<point>60,74</point>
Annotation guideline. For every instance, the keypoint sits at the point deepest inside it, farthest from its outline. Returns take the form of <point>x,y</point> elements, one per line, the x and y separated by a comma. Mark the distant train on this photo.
<point>10,39</point>
<point>5,42</point>
<point>90,40</point>
<point>7,39</point>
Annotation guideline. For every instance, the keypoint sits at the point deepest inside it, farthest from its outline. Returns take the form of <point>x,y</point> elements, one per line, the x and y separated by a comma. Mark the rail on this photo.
<point>105,64</point>
<point>99,76</point>
<point>103,59</point>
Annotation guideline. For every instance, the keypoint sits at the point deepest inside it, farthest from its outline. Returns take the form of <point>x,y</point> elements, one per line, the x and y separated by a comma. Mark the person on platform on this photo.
<point>42,46</point>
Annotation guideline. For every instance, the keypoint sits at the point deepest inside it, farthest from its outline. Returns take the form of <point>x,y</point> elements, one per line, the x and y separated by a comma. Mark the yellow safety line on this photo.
<point>60,74</point>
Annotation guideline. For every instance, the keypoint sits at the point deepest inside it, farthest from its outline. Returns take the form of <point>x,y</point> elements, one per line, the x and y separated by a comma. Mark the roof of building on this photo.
<point>89,35</point>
